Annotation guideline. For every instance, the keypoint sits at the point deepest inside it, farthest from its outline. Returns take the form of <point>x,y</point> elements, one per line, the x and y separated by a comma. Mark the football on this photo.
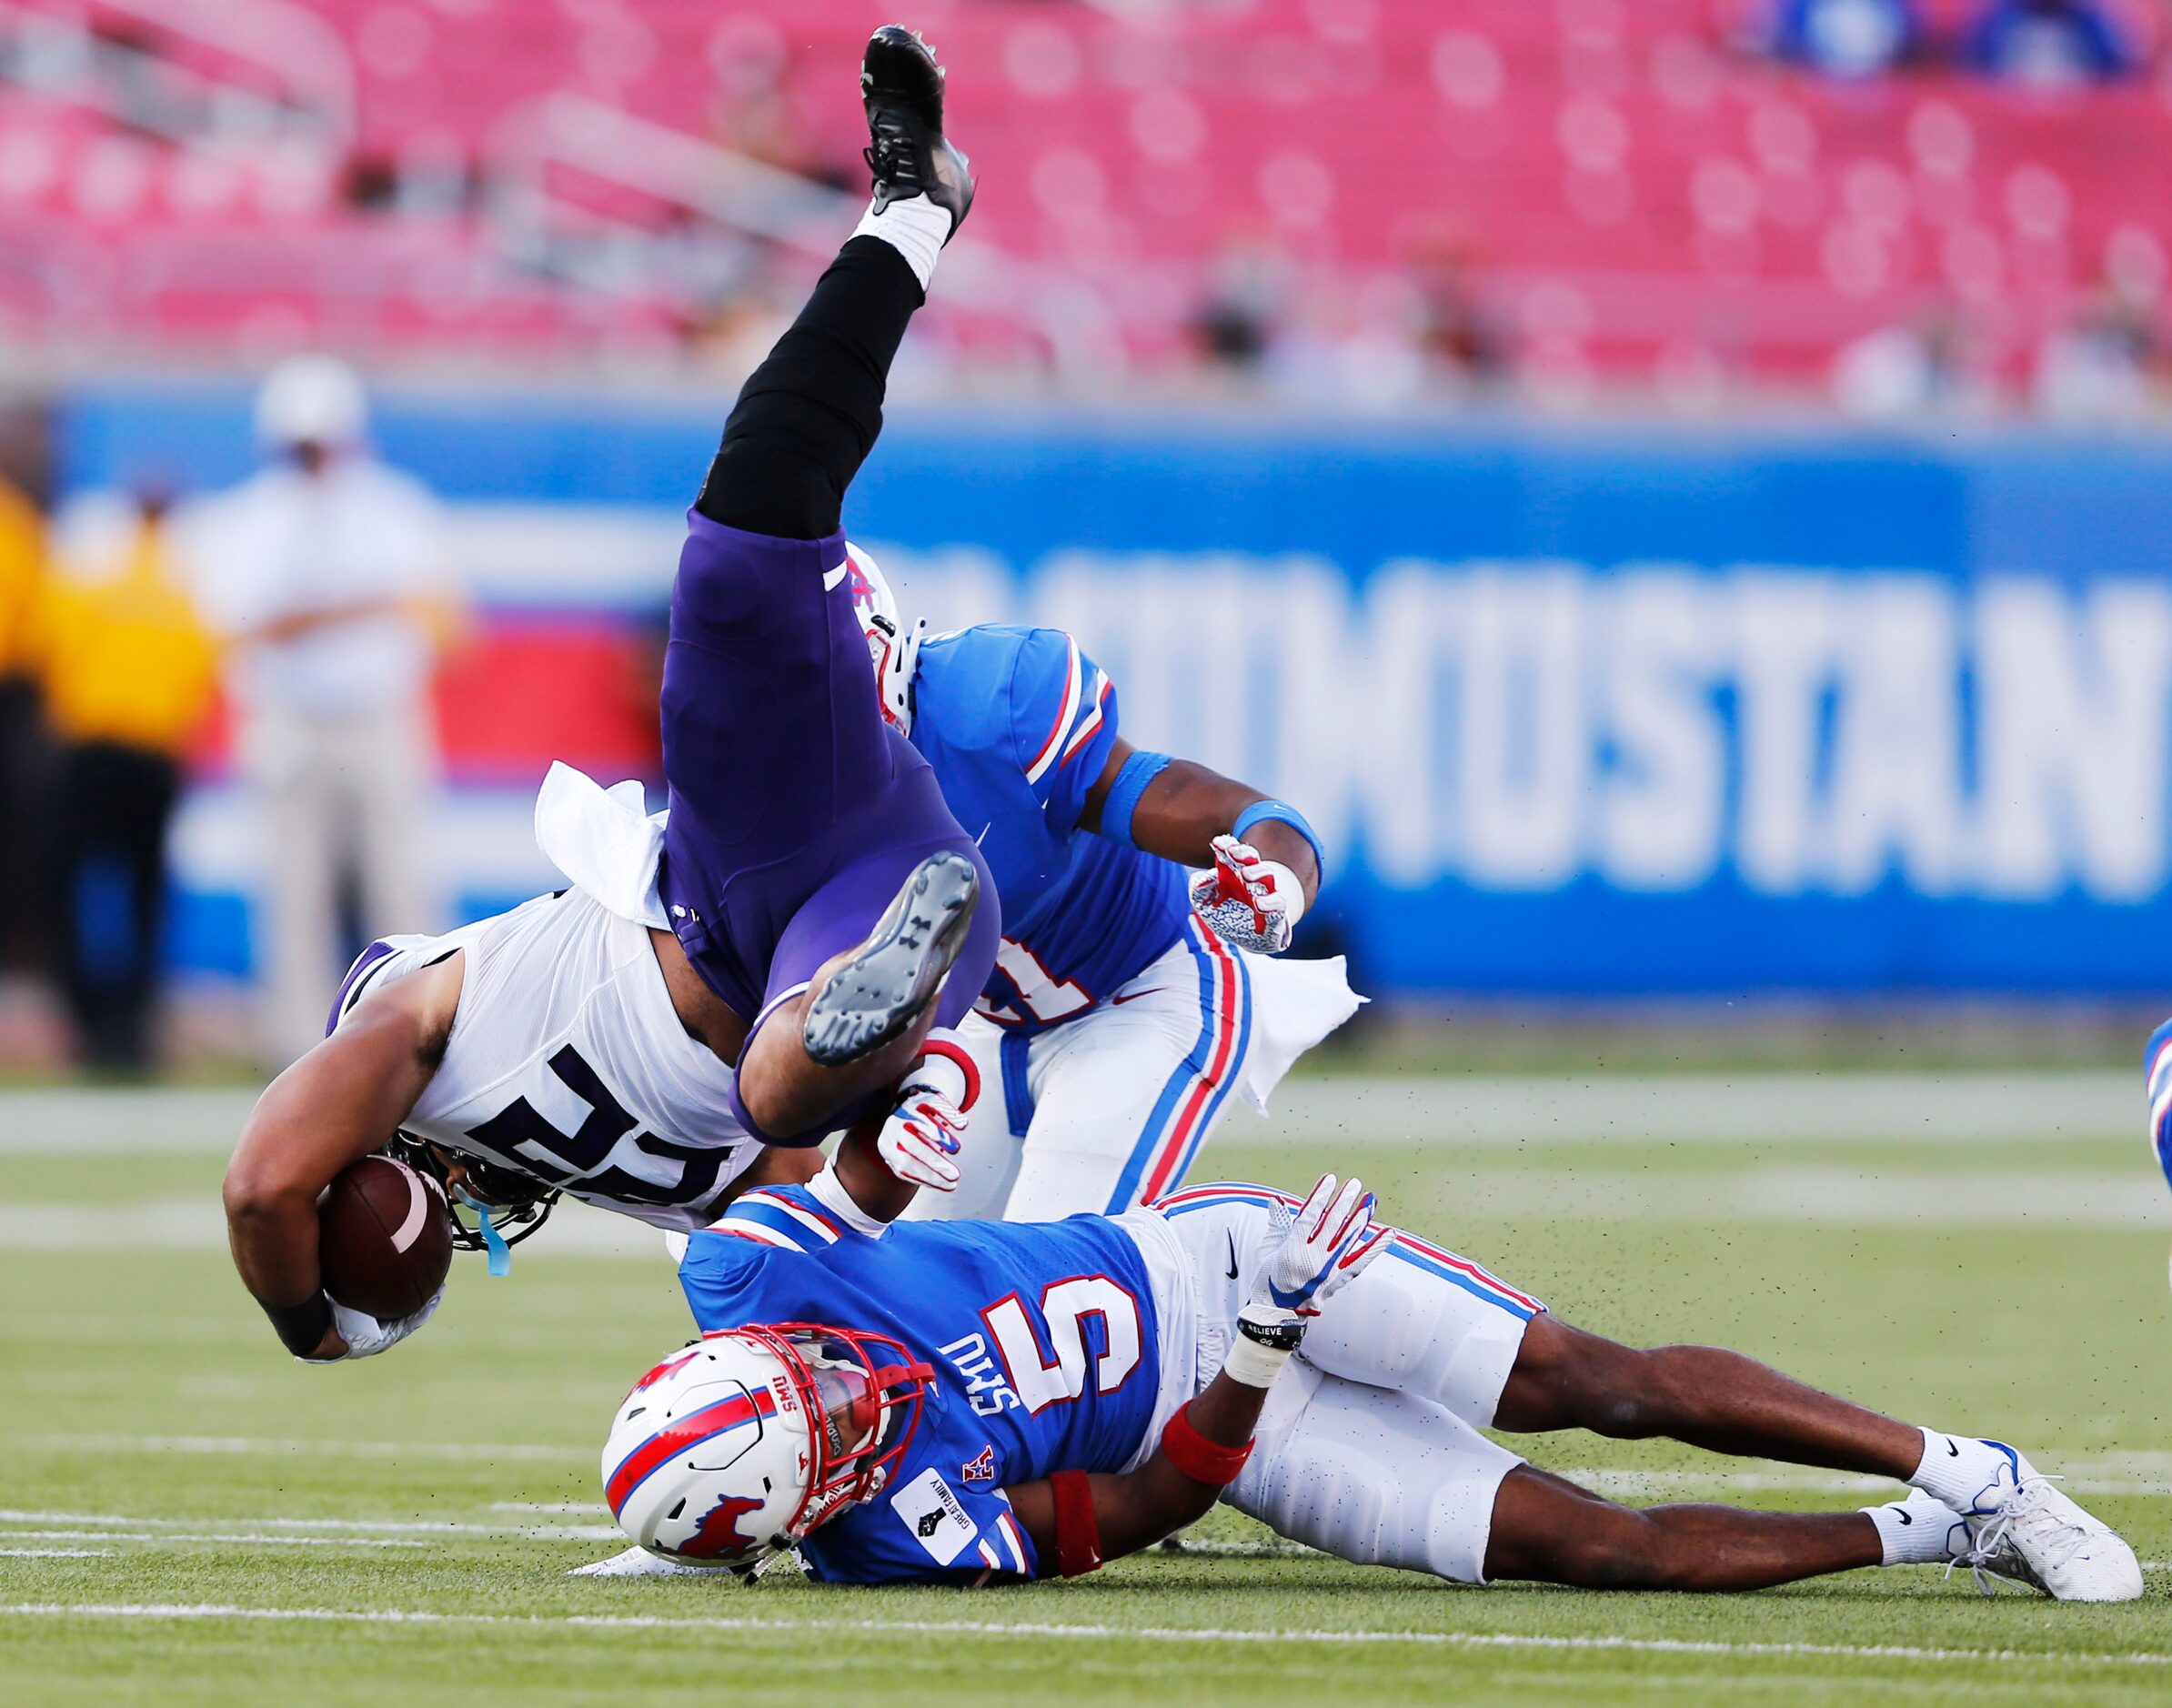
<point>384,1237</point>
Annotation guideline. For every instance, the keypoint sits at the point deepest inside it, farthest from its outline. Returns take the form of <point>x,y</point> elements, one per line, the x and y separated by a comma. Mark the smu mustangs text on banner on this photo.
<point>1573,716</point>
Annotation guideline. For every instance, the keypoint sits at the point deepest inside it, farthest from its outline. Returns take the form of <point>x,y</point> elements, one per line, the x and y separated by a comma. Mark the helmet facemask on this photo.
<point>862,1393</point>
<point>515,1205</point>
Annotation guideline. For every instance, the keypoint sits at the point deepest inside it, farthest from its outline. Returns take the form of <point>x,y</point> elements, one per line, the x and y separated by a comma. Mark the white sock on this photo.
<point>1918,1531</point>
<point>1960,1470</point>
<point>916,229</point>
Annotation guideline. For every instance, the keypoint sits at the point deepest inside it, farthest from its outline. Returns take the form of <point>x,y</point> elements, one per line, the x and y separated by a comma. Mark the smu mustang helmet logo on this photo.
<point>719,1535</point>
<point>981,1467</point>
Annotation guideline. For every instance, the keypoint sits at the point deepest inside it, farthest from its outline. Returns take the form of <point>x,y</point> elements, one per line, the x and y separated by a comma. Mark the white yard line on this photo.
<point>255,1444</point>
<point>128,1121</point>
<point>1648,1485</point>
<point>1774,1191</point>
<point>1728,1108</point>
<point>1093,1633</point>
<point>56,1553</point>
<point>1462,1108</point>
<point>313,1529</point>
<point>596,1508</point>
<point>255,1539</point>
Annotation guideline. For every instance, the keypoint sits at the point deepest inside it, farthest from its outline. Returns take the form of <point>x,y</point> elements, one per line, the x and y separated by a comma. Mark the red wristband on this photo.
<point>957,1056</point>
<point>1078,1535</point>
<point>1198,1458</point>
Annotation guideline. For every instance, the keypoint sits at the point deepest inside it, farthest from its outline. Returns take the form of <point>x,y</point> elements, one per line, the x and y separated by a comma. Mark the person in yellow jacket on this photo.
<point>24,850</point>
<point>129,671</point>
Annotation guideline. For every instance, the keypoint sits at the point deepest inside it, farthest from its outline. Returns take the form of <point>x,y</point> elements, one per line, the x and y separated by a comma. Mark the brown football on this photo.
<point>384,1237</point>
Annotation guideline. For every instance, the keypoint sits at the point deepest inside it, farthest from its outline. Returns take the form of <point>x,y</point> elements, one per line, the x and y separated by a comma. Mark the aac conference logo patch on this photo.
<point>981,1467</point>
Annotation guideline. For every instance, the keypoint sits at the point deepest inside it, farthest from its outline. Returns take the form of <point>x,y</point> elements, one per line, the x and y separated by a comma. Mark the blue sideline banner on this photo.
<point>1579,713</point>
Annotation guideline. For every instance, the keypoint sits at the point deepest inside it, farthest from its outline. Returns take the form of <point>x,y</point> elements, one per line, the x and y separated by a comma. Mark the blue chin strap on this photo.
<point>500,1253</point>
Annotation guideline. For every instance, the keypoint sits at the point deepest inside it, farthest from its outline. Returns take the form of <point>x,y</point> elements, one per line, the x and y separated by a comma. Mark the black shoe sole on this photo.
<point>918,79</point>
<point>876,996</point>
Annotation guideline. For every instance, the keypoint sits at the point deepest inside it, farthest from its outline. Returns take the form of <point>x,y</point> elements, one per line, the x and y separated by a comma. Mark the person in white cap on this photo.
<point>326,572</point>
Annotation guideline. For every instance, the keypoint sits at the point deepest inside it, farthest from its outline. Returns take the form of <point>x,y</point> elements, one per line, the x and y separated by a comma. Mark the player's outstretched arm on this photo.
<point>881,1166</point>
<point>1263,858</point>
<point>1077,1519</point>
<point>335,1106</point>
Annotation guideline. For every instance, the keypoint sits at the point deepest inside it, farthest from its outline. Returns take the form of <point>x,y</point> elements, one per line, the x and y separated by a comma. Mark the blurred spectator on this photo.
<point>1903,371</point>
<point>2049,44</point>
<point>22,816</point>
<point>129,669</point>
<point>326,573</point>
<point>2097,369</point>
<point>1246,300</point>
<point>1845,38</point>
<point>1465,345</point>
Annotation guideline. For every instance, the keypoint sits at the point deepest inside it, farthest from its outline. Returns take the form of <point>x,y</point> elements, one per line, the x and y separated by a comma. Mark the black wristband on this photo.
<point>301,1328</point>
<point>1282,1337</point>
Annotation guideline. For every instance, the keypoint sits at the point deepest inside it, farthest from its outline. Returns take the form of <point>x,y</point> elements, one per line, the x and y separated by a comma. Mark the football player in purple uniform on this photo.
<point>764,963</point>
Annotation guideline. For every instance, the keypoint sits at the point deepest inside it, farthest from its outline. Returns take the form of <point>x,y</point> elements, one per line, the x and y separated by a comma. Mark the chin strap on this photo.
<point>501,1254</point>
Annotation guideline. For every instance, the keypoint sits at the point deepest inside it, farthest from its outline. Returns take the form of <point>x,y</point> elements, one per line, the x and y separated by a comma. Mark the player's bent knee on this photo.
<point>1626,1551</point>
<point>1547,1530</point>
<point>1569,1378</point>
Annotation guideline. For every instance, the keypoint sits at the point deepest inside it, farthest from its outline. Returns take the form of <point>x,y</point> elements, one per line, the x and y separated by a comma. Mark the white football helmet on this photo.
<point>892,648</point>
<point>738,1445</point>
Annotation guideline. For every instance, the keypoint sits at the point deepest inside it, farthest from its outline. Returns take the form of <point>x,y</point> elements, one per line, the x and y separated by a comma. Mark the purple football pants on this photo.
<point>797,812</point>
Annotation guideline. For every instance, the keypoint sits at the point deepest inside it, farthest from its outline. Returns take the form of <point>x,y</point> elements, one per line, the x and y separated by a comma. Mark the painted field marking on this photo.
<point>254,1539</point>
<point>1775,1191</point>
<point>1959,1106</point>
<point>595,1508</point>
<point>251,1445</point>
<point>1095,1632</point>
<point>120,1526</point>
<point>56,1553</point>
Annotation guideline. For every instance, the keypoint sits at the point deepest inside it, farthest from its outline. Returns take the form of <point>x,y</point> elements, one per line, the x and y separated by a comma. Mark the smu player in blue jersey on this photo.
<point>2157,1079</point>
<point>976,1402</point>
<point>1131,997</point>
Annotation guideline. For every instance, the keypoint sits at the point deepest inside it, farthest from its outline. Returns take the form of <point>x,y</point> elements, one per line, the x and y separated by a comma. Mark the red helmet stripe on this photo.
<point>681,1433</point>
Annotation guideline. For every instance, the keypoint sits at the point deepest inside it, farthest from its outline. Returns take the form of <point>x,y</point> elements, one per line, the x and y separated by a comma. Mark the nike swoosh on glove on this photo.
<point>1248,902</point>
<point>1329,1243</point>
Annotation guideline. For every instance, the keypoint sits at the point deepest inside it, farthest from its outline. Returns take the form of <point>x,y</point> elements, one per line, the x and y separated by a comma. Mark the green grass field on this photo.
<point>189,1518</point>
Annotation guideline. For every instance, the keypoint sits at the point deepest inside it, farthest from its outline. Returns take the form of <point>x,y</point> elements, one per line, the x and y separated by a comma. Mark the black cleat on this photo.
<point>890,978</point>
<point>902,87</point>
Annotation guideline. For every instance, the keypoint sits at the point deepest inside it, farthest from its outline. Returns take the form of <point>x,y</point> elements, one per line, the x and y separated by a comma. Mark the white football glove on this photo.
<point>1248,902</point>
<point>1328,1244</point>
<point>919,1139</point>
<point>365,1336</point>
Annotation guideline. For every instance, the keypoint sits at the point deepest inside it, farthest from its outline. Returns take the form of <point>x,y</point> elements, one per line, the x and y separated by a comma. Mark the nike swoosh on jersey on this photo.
<point>830,577</point>
<point>1232,1240</point>
<point>1118,1001</point>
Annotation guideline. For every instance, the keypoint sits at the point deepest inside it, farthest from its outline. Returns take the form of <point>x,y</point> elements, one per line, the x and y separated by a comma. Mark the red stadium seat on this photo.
<point>1634,152</point>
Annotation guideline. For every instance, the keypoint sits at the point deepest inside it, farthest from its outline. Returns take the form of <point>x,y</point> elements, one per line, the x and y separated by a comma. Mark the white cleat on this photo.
<point>2021,1515</point>
<point>638,1562</point>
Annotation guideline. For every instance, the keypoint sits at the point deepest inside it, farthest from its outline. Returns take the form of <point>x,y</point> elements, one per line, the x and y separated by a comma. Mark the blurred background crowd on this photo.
<point>1885,205</point>
<point>228,590</point>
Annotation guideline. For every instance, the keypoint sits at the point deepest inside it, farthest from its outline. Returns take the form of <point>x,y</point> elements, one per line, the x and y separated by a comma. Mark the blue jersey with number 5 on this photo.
<point>1018,724</point>
<point>1042,1338</point>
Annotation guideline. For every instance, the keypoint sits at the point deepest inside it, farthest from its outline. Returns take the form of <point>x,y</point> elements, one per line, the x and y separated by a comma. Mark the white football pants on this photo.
<point>1369,1447</point>
<point>1110,1109</point>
